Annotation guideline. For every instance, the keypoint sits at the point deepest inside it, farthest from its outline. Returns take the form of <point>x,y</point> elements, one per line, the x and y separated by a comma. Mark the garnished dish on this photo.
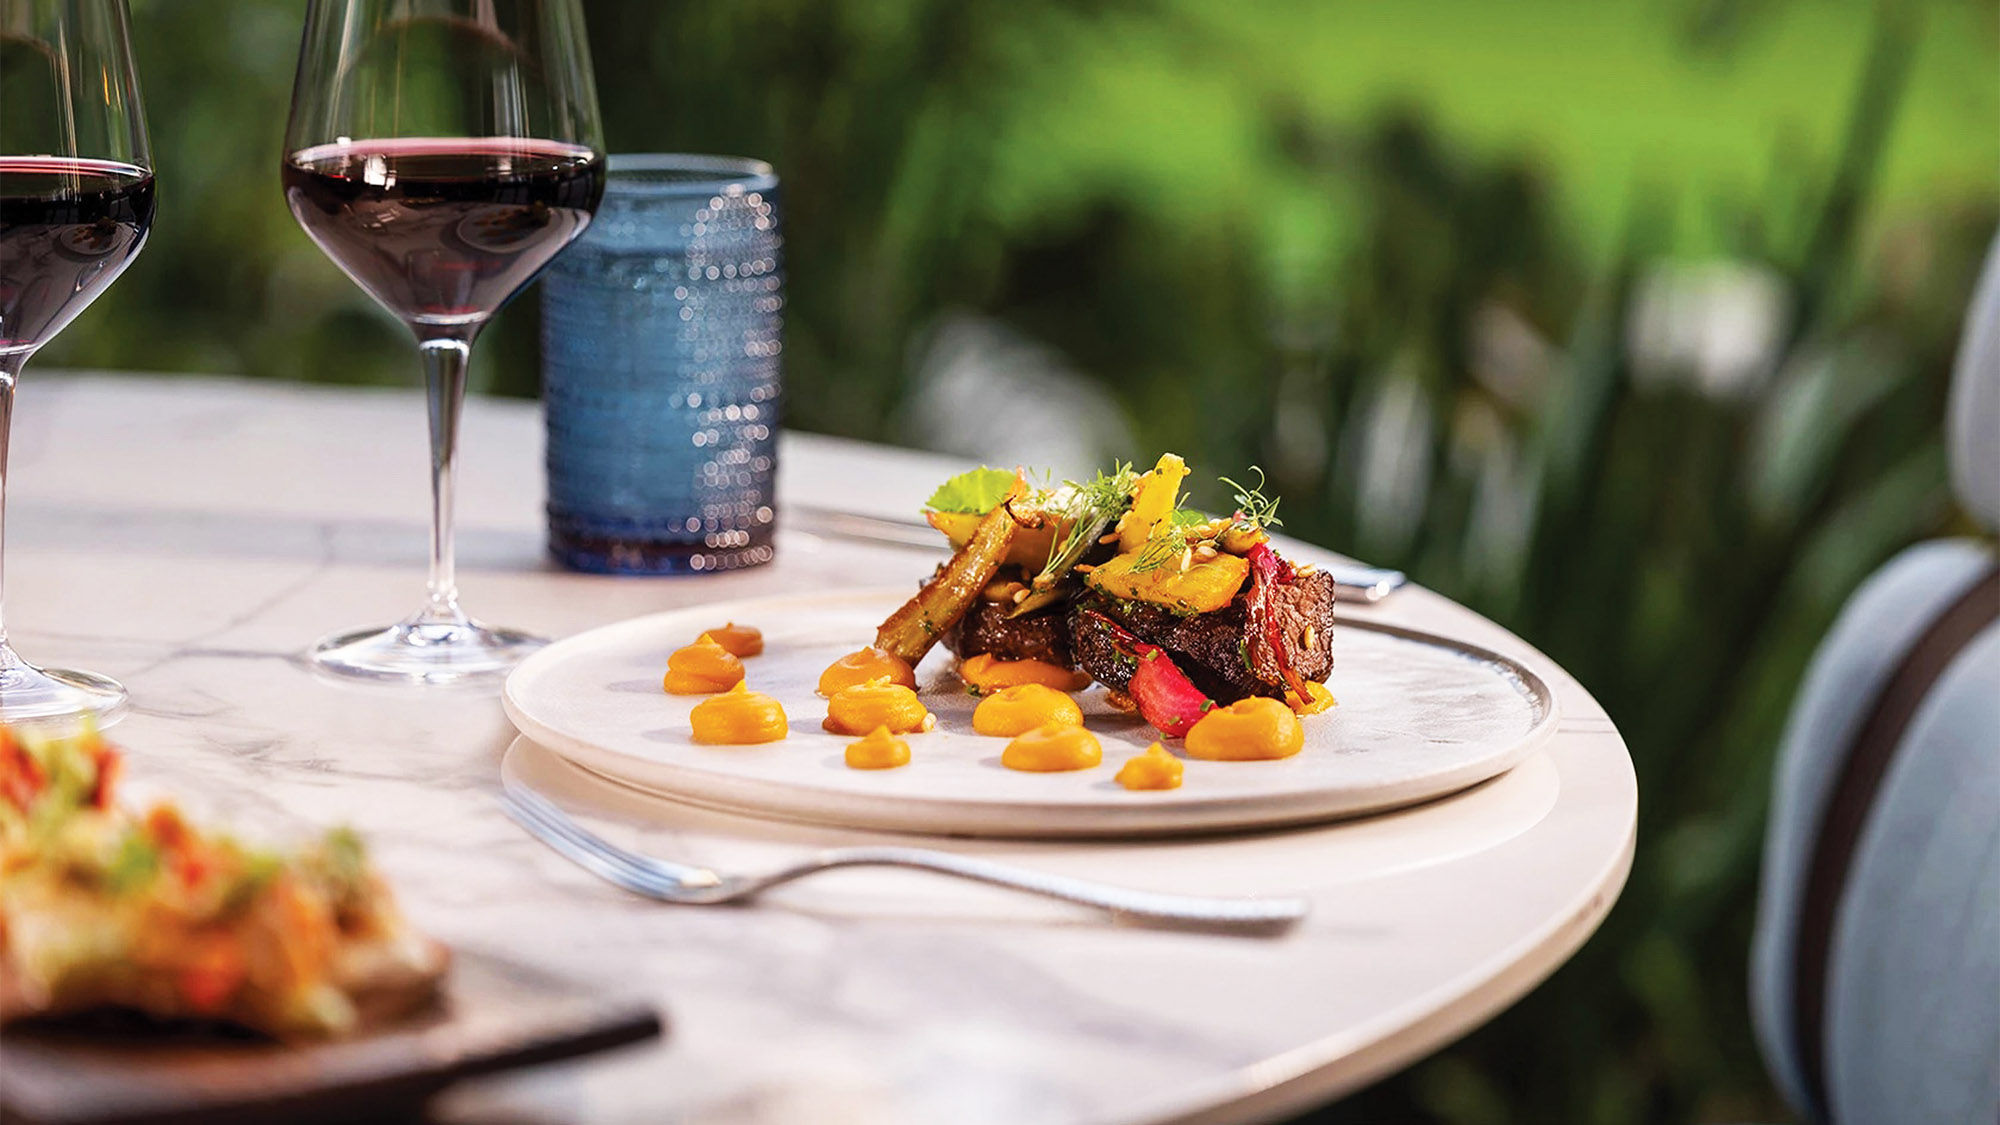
<point>1180,614</point>
<point>104,908</point>
<point>1094,658</point>
<point>1193,621</point>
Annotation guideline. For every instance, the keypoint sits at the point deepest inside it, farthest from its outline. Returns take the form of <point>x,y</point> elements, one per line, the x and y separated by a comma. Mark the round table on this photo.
<point>192,536</point>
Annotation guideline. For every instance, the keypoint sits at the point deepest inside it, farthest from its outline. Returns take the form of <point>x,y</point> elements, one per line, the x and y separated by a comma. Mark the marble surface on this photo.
<point>191,537</point>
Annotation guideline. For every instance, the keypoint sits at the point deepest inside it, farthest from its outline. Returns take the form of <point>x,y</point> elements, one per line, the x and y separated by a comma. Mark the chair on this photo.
<point>1875,968</point>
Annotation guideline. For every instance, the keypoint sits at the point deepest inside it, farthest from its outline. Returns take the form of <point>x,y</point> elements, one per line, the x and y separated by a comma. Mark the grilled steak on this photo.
<point>1222,652</point>
<point>1034,636</point>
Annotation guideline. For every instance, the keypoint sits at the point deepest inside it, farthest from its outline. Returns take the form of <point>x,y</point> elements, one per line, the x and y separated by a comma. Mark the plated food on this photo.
<point>1420,715</point>
<point>101,907</point>
<point>1094,659</point>
<point>1117,580</point>
<point>1193,621</point>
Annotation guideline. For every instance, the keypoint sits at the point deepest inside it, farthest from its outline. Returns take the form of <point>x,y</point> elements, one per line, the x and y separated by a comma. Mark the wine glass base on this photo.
<point>54,696</point>
<point>425,652</point>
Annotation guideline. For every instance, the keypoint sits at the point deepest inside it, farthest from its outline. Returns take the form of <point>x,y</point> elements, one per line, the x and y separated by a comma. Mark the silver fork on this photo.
<point>702,886</point>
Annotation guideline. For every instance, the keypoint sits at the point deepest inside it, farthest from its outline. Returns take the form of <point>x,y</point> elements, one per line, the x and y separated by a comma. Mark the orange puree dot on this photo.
<point>1247,730</point>
<point>1051,748</point>
<point>1155,769</point>
<point>702,668</point>
<point>1318,699</point>
<point>1020,709</point>
<point>985,672</point>
<point>860,667</point>
<point>740,640</point>
<point>738,717</point>
<point>878,750</point>
<point>877,703</point>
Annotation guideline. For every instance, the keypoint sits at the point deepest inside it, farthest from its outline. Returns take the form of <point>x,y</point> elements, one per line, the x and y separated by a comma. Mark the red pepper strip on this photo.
<point>110,767</point>
<point>21,780</point>
<point>1267,570</point>
<point>1165,696</point>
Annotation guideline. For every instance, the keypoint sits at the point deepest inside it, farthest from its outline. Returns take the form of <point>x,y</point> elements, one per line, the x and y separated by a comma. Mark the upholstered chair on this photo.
<point>1875,969</point>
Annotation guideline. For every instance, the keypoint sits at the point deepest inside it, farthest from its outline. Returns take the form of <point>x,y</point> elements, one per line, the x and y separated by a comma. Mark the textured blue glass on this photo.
<point>661,340</point>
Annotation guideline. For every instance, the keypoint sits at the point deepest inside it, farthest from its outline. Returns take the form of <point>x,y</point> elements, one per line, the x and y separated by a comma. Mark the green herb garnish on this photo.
<point>344,858</point>
<point>975,491</point>
<point>133,865</point>
<point>1090,507</point>
<point>1162,549</point>
<point>1257,508</point>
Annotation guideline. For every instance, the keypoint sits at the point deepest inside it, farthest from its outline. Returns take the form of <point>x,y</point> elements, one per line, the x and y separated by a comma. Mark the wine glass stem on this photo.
<point>445,361</point>
<point>10,374</point>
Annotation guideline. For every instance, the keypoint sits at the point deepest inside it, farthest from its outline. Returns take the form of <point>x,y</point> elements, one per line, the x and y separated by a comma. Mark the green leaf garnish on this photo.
<point>977,491</point>
<point>345,857</point>
<point>133,865</point>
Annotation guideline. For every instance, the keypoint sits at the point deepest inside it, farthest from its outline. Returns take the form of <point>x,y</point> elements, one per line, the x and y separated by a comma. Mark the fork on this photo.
<point>701,886</point>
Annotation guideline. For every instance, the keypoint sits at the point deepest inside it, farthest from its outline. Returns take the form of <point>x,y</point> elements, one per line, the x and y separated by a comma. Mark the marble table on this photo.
<point>192,536</point>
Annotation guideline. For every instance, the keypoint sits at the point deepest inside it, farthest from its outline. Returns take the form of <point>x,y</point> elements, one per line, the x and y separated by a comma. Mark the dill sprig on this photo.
<point>1257,508</point>
<point>1162,549</point>
<point>1090,507</point>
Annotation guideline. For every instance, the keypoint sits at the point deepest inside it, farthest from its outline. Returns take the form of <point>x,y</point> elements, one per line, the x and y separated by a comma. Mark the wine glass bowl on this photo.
<point>441,231</point>
<point>76,202</point>
<point>441,153</point>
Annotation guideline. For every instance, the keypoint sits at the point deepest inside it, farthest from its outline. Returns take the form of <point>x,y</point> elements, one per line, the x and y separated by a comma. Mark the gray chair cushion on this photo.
<point>1975,402</point>
<point>1911,933</point>
<point>1913,1004</point>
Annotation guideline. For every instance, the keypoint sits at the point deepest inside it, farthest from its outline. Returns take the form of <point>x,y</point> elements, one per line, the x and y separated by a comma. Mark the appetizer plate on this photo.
<point>1420,716</point>
<point>491,1016</point>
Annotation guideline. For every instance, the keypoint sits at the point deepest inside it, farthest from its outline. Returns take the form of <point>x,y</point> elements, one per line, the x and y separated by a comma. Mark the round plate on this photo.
<point>1419,716</point>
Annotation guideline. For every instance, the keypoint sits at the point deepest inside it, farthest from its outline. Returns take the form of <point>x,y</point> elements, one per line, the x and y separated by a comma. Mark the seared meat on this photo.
<point>1221,652</point>
<point>1304,609</point>
<point>1033,636</point>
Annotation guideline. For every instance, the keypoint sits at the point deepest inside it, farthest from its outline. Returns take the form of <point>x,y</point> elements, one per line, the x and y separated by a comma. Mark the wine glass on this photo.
<point>441,152</point>
<point>76,200</point>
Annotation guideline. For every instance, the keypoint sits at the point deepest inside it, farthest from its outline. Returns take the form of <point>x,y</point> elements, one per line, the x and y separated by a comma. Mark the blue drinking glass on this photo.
<point>661,340</point>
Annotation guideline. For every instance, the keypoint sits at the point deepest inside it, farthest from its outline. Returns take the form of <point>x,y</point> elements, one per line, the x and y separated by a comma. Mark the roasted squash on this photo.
<point>1145,576</point>
<point>1153,502</point>
<point>1032,542</point>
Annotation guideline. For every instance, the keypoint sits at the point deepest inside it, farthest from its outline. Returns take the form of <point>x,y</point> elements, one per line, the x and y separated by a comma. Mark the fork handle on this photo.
<point>1124,903</point>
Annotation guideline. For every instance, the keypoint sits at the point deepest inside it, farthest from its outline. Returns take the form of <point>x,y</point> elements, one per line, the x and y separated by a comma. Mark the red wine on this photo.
<point>443,231</point>
<point>67,227</point>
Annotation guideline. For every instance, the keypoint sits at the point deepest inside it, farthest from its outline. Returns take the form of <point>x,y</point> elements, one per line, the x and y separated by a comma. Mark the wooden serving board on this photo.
<point>490,1016</point>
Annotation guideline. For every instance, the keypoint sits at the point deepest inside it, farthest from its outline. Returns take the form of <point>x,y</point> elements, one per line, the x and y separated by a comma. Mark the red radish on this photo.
<point>1165,696</point>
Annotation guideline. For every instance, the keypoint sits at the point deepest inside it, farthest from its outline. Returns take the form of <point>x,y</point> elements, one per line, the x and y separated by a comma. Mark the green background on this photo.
<point>1439,267</point>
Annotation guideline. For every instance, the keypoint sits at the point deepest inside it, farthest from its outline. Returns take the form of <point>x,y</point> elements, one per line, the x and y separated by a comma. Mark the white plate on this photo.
<point>1420,716</point>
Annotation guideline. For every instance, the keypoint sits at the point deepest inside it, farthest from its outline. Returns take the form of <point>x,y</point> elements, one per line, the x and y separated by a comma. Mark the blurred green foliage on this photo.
<point>1628,323</point>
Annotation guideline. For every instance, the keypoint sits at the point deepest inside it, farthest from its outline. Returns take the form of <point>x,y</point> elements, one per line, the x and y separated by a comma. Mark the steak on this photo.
<point>1223,652</point>
<point>986,628</point>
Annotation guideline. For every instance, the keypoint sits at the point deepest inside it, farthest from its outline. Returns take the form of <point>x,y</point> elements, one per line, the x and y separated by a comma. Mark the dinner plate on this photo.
<point>1420,716</point>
